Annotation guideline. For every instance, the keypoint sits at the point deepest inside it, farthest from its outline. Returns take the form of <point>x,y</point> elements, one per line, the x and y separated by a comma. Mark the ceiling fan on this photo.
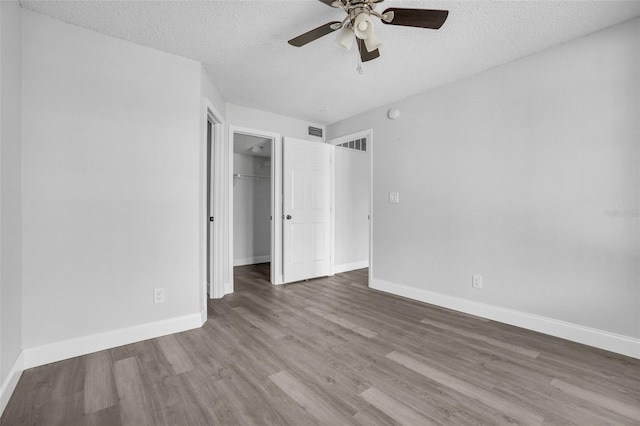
<point>358,26</point>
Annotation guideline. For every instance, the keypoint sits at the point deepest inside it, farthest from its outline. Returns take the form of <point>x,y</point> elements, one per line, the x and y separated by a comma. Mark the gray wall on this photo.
<point>111,195</point>
<point>251,118</point>
<point>10,188</point>
<point>510,174</point>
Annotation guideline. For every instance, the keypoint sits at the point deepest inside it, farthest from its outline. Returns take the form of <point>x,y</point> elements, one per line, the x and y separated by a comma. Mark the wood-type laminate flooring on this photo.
<point>333,352</point>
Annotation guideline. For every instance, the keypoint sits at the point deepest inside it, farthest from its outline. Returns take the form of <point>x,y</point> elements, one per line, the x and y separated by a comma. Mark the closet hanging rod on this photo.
<point>241,175</point>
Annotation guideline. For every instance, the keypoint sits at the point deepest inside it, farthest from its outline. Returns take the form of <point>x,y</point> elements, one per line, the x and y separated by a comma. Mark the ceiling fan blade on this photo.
<point>421,18</point>
<point>315,34</point>
<point>365,55</point>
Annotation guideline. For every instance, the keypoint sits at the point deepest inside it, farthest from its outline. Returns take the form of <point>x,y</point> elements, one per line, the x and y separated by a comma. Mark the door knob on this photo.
<point>288,216</point>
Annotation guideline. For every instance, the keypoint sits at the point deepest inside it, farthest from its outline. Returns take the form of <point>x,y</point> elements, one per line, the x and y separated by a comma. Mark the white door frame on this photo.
<point>368,134</point>
<point>215,261</point>
<point>276,200</point>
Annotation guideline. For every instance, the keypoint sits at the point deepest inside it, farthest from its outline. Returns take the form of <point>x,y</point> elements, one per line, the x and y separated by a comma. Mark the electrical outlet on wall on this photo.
<point>394,197</point>
<point>158,295</point>
<point>476,281</point>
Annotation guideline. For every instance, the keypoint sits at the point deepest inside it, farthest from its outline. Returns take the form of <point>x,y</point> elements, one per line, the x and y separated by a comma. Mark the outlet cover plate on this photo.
<point>476,281</point>
<point>158,295</point>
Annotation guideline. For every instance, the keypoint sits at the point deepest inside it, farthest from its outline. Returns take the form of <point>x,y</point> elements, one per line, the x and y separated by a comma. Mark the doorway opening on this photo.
<point>252,188</point>
<point>352,200</point>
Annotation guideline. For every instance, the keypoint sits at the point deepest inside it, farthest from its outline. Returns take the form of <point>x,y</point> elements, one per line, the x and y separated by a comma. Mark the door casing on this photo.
<point>276,201</point>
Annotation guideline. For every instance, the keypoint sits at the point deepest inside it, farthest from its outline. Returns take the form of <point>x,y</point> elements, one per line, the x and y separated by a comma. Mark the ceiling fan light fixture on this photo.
<point>372,42</point>
<point>345,38</point>
<point>363,26</point>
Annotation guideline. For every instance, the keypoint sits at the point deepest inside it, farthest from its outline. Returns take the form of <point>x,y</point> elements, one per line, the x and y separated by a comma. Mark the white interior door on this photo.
<point>306,209</point>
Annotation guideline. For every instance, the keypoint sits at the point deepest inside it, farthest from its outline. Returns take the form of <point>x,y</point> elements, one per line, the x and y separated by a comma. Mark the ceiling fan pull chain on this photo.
<point>359,67</point>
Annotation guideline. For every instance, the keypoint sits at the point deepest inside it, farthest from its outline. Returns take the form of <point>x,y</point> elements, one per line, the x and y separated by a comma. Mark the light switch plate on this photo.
<point>394,197</point>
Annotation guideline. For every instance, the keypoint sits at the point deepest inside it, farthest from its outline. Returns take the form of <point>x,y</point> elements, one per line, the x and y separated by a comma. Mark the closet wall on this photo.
<point>251,209</point>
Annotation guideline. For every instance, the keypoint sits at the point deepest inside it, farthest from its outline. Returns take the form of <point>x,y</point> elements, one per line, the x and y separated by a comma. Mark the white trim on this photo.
<point>332,184</point>
<point>251,260</point>
<point>203,316</point>
<point>276,201</point>
<point>9,384</point>
<point>345,267</point>
<point>217,252</point>
<point>624,345</point>
<point>58,351</point>
<point>370,149</point>
<point>277,276</point>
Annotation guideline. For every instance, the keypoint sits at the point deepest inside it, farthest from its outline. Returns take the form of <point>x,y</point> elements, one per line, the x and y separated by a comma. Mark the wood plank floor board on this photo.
<point>485,396</point>
<point>99,386</point>
<point>135,405</point>
<point>332,351</point>
<point>172,350</point>
<point>559,407</point>
<point>25,399</point>
<point>323,377</point>
<point>343,322</point>
<point>632,411</point>
<point>251,404</point>
<point>294,414</point>
<point>67,410</point>
<point>245,344</point>
<point>201,350</point>
<point>266,326</point>
<point>312,401</point>
<point>107,417</point>
<point>327,368</point>
<point>440,402</point>
<point>532,353</point>
<point>372,416</point>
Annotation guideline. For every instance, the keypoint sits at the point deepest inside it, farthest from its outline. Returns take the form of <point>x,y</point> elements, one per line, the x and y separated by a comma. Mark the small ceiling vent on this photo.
<point>314,131</point>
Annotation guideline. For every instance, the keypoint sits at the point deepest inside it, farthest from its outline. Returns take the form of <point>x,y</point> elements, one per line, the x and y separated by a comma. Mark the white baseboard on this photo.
<point>345,267</point>
<point>624,345</point>
<point>58,351</point>
<point>251,260</point>
<point>9,385</point>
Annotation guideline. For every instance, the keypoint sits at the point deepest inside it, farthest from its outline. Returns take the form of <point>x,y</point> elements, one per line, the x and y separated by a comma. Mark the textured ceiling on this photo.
<point>243,45</point>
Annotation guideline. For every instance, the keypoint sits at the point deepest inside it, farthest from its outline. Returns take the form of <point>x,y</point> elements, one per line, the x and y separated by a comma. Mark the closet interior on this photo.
<point>251,199</point>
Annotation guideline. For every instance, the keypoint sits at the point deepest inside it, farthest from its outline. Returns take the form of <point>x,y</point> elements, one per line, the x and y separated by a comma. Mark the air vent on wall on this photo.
<point>314,131</point>
<point>358,144</point>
